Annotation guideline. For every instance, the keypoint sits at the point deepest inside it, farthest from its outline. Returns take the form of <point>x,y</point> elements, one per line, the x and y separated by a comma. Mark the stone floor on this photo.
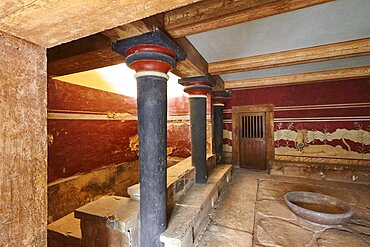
<point>251,212</point>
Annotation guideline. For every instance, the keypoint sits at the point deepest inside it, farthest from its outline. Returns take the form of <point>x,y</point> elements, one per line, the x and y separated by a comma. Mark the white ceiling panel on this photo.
<point>331,22</point>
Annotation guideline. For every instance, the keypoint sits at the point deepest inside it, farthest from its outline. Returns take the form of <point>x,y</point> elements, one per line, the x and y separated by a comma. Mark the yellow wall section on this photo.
<point>117,79</point>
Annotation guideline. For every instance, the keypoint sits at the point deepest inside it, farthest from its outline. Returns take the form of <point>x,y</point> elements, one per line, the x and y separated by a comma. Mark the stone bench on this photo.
<point>65,232</point>
<point>109,221</point>
<point>114,217</point>
<point>180,178</point>
<point>191,214</point>
<point>355,173</point>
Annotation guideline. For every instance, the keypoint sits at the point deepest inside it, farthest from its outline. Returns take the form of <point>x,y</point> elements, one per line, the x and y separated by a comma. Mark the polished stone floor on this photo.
<point>251,212</point>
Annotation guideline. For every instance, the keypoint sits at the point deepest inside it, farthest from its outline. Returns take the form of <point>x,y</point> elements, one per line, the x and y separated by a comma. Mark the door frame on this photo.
<point>268,109</point>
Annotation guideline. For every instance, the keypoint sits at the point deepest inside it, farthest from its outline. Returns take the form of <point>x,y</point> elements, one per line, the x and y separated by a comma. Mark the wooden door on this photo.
<point>252,141</point>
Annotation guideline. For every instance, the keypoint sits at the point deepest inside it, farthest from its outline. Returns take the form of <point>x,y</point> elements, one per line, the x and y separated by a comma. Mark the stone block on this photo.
<point>134,192</point>
<point>191,213</point>
<point>65,232</point>
<point>211,162</point>
<point>180,230</point>
<point>220,175</point>
<point>336,170</point>
<point>180,178</point>
<point>109,221</point>
<point>66,195</point>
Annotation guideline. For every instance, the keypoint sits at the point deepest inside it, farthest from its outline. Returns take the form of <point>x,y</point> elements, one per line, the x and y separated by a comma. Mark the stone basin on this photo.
<point>318,208</point>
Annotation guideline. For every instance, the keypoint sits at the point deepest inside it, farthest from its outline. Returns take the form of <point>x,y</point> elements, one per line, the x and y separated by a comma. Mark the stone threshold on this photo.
<point>190,215</point>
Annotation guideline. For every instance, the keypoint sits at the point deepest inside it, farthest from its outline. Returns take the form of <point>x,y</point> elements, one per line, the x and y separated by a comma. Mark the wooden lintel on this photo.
<point>212,14</point>
<point>333,51</point>
<point>328,75</point>
<point>81,55</point>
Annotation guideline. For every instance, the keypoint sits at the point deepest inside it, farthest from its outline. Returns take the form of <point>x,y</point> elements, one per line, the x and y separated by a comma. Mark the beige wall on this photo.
<point>23,148</point>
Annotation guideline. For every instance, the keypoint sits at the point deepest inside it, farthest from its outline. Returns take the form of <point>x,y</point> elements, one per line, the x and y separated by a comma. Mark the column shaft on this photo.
<point>152,55</point>
<point>218,132</point>
<point>198,137</point>
<point>152,121</point>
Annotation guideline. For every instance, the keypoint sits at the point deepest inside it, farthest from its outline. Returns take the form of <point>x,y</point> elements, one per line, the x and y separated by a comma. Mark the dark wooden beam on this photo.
<point>212,14</point>
<point>328,75</point>
<point>81,55</point>
<point>96,52</point>
<point>286,58</point>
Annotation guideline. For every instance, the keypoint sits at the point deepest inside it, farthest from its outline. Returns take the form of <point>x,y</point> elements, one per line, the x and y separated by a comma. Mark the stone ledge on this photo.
<point>109,209</point>
<point>66,195</point>
<point>65,232</point>
<point>110,217</point>
<point>180,178</point>
<point>190,214</point>
<point>327,172</point>
<point>322,160</point>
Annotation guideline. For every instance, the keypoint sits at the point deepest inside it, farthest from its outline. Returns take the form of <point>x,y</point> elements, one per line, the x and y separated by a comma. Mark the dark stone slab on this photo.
<point>208,79</point>
<point>153,38</point>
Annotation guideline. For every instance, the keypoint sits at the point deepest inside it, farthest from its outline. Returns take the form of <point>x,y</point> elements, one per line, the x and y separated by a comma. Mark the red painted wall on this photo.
<point>68,97</point>
<point>80,145</point>
<point>346,91</point>
<point>314,107</point>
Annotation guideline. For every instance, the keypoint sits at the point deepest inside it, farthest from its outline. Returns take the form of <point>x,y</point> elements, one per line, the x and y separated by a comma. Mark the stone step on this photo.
<point>191,214</point>
<point>65,232</point>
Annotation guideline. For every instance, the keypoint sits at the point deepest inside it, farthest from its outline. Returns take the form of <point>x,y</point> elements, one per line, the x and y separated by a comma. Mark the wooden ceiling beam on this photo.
<point>346,49</point>
<point>328,75</point>
<point>193,65</point>
<point>81,55</point>
<point>212,14</point>
<point>96,52</point>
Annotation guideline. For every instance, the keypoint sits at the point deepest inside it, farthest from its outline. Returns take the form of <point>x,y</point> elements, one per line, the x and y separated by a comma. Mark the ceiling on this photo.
<point>51,22</point>
<point>331,22</point>
<point>215,30</point>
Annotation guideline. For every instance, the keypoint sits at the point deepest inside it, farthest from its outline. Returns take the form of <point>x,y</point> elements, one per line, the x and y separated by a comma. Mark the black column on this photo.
<point>218,117</point>
<point>152,121</point>
<point>198,125</point>
<point>152,56</point>
<point>218,100</point>
<point>198,88</point>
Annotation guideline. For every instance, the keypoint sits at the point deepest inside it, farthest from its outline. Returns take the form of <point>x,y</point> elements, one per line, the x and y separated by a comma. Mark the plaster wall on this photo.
<point>23,146</point>
<point>93,143</point>
<point>330,118</point>
<point>88,129</point>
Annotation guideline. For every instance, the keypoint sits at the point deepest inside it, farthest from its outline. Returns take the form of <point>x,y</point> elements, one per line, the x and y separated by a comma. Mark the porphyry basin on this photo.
<point>318,208</point>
